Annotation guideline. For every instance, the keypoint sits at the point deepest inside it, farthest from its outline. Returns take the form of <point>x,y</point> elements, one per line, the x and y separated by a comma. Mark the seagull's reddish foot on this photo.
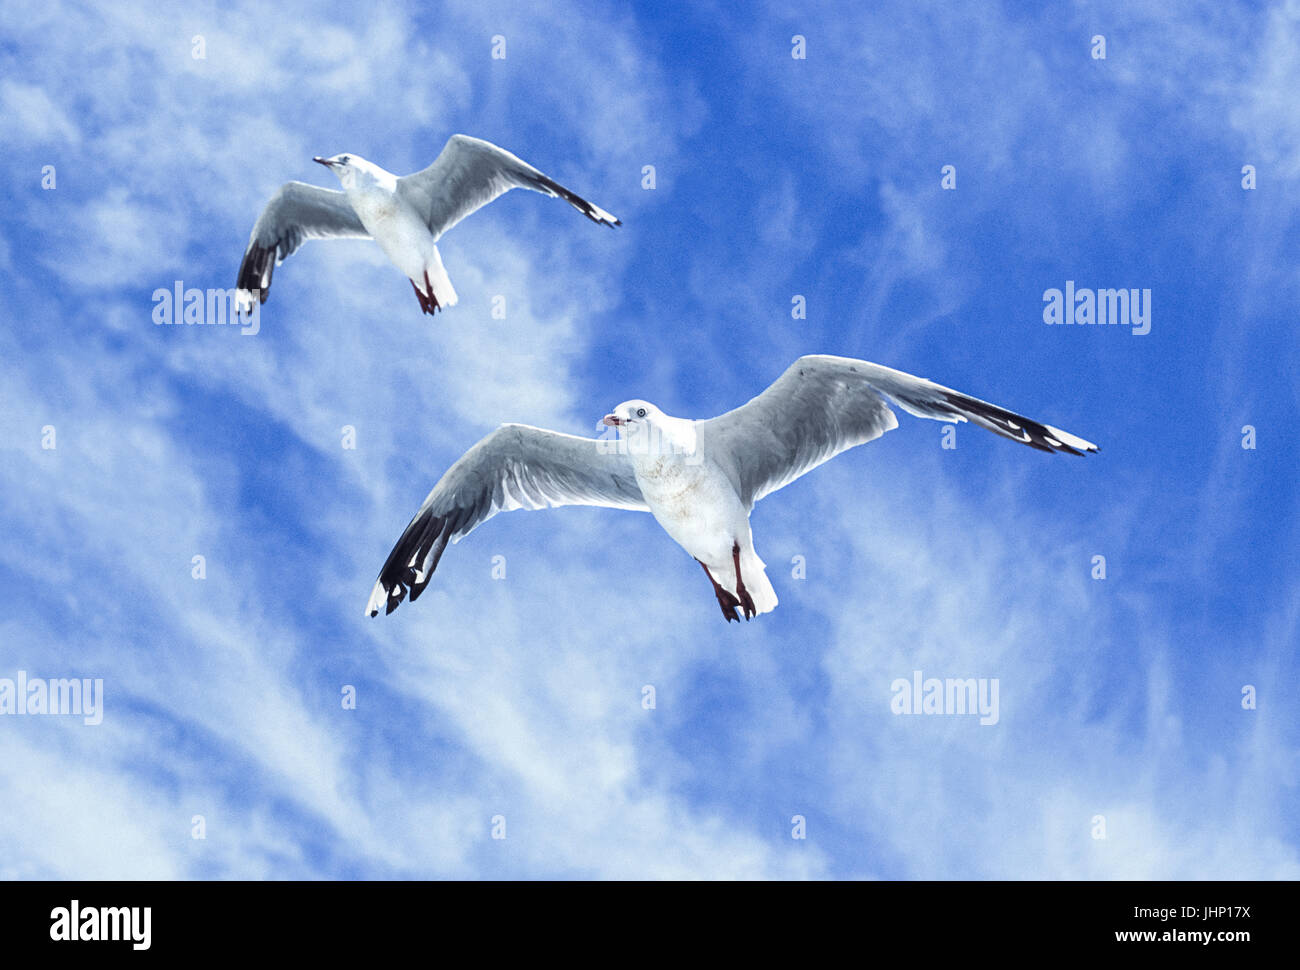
<point>725,599</point>
<point>424,304</point>
<point>746,601</point>
<point>428,303</point>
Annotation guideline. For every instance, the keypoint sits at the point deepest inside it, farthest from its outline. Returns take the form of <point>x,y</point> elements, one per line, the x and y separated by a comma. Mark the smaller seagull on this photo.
<point>406,215</point>
<point>699,479</point>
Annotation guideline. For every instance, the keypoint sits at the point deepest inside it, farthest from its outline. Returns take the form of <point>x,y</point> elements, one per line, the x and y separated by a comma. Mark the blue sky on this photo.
<point>1120,698</point>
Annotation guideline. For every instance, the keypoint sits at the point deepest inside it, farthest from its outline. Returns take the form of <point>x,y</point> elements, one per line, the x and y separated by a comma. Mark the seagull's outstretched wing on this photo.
<point>515,467</point>
<point>469,173</point>
<point>824,405</point>
<point>296,213</point>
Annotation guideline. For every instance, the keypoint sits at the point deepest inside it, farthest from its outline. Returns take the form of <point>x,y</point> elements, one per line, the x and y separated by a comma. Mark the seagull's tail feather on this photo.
<point>753,572</point>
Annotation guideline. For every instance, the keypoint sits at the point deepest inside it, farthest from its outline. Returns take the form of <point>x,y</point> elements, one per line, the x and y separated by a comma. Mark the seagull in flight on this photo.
<point>405,214</point>
<point>699,479</point>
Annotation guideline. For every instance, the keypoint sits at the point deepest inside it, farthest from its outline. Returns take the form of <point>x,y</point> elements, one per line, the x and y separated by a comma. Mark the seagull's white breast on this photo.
<point>396,226</point>
<point>695,503</point>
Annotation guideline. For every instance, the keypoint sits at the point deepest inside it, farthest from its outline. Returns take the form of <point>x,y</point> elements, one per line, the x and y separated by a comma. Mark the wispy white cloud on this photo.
<point>33,116</point>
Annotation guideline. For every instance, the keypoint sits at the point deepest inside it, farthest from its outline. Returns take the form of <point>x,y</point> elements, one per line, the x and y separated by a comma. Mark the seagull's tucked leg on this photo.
<point>746,601</point>
<point>725,599</point>
<point>437,284</point>
<point>434,289</point>
<point>424,302</point>
<point>753,588</point>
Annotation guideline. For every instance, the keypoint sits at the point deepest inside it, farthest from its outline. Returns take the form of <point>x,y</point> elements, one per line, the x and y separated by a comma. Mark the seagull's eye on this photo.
<point>640,412</point>
<point>346,159</point>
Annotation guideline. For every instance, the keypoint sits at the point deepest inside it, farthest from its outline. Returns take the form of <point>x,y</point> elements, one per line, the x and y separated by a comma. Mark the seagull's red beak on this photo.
<point>612,420</point>
<point>323,161</point>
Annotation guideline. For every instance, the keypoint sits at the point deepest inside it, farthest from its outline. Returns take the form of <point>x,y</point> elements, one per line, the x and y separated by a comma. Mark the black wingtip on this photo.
<point>422,543</point>
<point>575,200</point>
<point>1011,425</point>
<point>395,597</point>
<point>256,270</point>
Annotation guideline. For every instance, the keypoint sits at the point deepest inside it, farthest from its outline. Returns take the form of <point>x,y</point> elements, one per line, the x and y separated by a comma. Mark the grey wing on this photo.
<point>469,173</point>
<point>295,213</point>
<point>515,467</point>
<point>822,406</point>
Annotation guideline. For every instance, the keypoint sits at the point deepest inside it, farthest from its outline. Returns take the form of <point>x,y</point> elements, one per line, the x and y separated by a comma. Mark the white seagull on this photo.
<point>699,479</point>
<point>406,214</point>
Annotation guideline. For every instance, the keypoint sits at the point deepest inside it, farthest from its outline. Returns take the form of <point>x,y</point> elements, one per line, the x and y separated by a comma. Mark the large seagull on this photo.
<point>405,214</point>
<point>699,479</point>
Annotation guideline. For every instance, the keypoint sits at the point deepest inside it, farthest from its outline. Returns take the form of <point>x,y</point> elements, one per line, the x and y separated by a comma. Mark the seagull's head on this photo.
<point>632,417</point>
<point>348,167</point>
